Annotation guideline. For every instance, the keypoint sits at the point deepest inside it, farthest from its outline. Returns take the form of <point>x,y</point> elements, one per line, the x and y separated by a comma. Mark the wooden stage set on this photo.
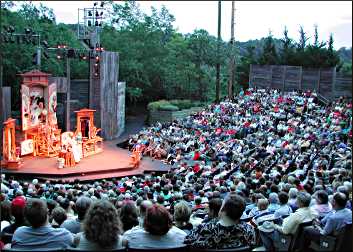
<point>112,162</point>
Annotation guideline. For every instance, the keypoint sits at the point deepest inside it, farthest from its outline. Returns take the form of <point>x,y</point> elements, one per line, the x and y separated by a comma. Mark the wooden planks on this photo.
<point>325,81</point>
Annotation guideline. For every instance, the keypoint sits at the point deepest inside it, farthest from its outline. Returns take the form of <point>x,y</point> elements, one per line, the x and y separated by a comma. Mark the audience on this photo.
<point>101,228</point>
<point>286,163</point>
<point>158,231</point>
<point>40,235</point>
<point>227,232</point>
<point>75,225</point>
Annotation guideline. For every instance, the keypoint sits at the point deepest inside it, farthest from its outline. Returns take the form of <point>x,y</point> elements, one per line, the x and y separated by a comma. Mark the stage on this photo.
<point>112,162</point>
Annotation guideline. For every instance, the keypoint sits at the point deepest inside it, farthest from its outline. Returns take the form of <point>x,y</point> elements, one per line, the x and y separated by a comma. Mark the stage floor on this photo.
<point>112,162</point>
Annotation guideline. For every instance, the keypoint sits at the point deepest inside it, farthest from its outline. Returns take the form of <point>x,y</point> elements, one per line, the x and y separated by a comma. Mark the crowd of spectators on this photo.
<point>242,172</point>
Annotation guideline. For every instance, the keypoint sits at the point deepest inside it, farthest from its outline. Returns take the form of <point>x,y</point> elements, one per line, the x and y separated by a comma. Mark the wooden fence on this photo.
<point>325,81</point>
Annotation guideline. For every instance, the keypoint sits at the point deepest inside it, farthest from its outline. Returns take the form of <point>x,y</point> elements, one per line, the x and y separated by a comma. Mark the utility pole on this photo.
<point>218,66</point>
<point>232,58</point>
<point>68,96</point>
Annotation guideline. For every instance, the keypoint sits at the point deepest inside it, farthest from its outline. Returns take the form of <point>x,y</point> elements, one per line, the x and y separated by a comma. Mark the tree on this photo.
<point>287,51</point>
<point>333,58</point>
<point>269,54</point>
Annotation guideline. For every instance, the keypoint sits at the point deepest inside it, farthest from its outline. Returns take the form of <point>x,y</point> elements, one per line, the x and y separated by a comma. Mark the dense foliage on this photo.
<point>156,61</point>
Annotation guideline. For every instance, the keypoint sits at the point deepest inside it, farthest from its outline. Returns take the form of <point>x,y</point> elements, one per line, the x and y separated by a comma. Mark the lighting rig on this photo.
<point>9,36</point>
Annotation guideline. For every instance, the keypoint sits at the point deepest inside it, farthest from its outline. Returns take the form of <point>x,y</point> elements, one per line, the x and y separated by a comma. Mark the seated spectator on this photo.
<point>331,223</point>
<point>214,205</point>
<point>17,210</point>
<point>273,200</point>
<point>291,223</point>
<point>75,225</point>
<point>40,234</point>
<point>58,217</point>
<point>6,217</point>
<point>158,231</point>
<point>284,209</point>
<point>293,198</point>
<point>128,215</point>
<point>321,207</point>
<point>101,228</point>
<point>142,211</point>
<point>228,232</point>
<point>182,213</point>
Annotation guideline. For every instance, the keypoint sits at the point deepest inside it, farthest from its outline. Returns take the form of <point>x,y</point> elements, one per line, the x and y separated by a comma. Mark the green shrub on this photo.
<point>168,107</point>
<point>182,104</point>
<point>174,105</point>
<point>153,106</point>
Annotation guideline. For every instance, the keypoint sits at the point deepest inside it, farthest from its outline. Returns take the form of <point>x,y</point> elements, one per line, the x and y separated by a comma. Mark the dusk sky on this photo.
<point>253,19</point>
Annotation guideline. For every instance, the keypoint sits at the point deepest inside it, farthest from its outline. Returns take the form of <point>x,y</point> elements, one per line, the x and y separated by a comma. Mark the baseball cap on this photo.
<point>19,201</point>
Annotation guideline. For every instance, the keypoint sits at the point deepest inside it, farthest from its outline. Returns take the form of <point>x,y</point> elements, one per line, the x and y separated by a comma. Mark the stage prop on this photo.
<point>11,159</point>
<point>38,111</point>
<point>87,132</point>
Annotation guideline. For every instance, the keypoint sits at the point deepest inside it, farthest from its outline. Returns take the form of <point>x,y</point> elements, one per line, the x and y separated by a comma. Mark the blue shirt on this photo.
<point>41,238</point>
<point>336,220</point>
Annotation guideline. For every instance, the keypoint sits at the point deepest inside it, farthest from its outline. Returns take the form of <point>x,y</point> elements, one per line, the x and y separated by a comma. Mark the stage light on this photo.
<point>90,13</point>
<point>28,31</point>
<point>95,4</point>
<point>102,4</point>
<point>11,29</point>
<point>12,39</point>
<point>101,13</point>
<point>100,24</point>
<point>58,56</point>
<point>97,58</point>
<point>45,44</point>
<point>89,23</point>
<point>97,14</point>
<point>6,39</point>
<point>96,23</point>
<point>71,53</point>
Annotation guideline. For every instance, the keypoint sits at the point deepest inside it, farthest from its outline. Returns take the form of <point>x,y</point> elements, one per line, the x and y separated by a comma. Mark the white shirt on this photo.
<point>291,223</point>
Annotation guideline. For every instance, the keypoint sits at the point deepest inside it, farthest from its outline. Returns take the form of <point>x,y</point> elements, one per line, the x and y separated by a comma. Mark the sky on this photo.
<point>253,19</point>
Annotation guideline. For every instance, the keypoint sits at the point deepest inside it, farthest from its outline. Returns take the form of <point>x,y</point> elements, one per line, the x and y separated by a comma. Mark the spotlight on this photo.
<point>58,56</point>
<point>96,23</point>
<point>89,23</point>
<point>95,4</point>
<point>97,14</point>
<point>97,58</point>
<point>100,24</point>
<point>84,57</point>
<point>45,44</point>
<point>6,39</point>
<point>71,53</point>
<point>90,13</point>
<point>101,13</point>
<point>11,29</point>
<point>102,4</point>
<point>12,39</point>
<point>28,31</point>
